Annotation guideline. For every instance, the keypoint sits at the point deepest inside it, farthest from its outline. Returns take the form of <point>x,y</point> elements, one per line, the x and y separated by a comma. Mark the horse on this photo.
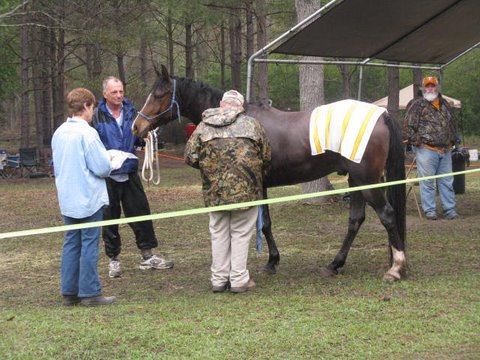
<point>292,162</point>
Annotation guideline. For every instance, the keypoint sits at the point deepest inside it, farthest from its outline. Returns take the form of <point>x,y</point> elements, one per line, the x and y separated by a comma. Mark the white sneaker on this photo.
<point>156,262</point>
<point>114,269</point>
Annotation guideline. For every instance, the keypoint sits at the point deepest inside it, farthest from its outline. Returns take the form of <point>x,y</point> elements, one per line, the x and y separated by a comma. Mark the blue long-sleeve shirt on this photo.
<point>81,163</point>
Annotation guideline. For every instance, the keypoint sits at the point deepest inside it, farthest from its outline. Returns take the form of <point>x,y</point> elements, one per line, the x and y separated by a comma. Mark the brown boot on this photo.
<point>241,289</point>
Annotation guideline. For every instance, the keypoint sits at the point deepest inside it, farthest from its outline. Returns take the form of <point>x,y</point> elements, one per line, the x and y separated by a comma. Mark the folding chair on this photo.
<point>12,166</point>
<point>28,160</point>
<point>3,163</point>
<point>411,186</point>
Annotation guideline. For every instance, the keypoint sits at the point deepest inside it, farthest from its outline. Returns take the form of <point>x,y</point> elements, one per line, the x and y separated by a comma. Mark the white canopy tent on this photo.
<point>406,94</point>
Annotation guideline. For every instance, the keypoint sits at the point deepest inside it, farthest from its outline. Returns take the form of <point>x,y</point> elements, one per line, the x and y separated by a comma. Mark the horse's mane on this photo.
<point>192,88</point>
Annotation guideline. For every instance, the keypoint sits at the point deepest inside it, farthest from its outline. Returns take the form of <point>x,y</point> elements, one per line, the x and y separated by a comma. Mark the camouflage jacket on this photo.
<point>424,124</point>
<point>233,155</point>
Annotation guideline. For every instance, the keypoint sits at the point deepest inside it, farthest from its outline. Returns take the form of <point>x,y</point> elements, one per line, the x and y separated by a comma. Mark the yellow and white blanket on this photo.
<point>343,127</point>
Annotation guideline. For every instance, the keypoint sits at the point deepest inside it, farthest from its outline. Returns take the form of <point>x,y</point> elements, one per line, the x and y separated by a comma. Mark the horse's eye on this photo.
<point>159,96</point>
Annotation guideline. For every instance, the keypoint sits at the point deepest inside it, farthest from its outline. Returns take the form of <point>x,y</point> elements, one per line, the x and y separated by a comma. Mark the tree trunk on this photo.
<point>89,60</point>
<point>24,119</point>
<point>188,51</point>
<point>261,42</point>
<point>311,76</point>
<point>346,80</point>
<point>97,61</point>
<point>13,109</point>
<point>249,24</point>
<point>417,81</point>
<point>311,94</point>
<point>38,46</point>
<point>236,49</point>
<point>37,88</point>
<point>58,82</point>
<point>393,91</point>
<point>46,82</point>
<point>222,55</point>
<point>93,61</point>
<point>121,70</point>
<point>171,67</point>
<point>201,53</point>
<point>54,73</point>
<point>143,61</point>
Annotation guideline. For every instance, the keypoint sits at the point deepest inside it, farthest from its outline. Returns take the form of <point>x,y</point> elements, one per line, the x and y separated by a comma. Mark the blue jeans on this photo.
<point>430,162</point>
<point>80,258</point>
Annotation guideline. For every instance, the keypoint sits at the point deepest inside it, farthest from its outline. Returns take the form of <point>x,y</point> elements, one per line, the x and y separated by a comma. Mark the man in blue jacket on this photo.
<point>113,120</point>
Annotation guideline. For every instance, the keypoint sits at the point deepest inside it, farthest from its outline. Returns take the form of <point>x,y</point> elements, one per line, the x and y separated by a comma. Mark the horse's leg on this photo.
<point>385,212</point>
<point>273,254</point>
<point>355,220</point>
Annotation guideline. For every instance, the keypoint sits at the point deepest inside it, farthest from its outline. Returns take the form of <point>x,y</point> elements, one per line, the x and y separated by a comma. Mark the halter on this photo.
<point>170,108</point>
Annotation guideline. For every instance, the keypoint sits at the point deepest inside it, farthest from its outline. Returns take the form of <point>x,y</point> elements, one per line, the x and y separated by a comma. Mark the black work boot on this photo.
<point>70,300</point>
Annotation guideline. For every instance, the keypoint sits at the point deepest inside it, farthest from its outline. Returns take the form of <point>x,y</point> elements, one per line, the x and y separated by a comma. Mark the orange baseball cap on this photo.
<point>430,80</point>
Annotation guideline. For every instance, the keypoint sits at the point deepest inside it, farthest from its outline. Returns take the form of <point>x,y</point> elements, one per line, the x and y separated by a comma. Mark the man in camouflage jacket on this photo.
<point>233,155</point>
<point>430,128</point>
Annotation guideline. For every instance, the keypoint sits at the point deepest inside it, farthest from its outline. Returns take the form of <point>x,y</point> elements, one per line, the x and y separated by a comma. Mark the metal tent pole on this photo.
<point>360,80</point>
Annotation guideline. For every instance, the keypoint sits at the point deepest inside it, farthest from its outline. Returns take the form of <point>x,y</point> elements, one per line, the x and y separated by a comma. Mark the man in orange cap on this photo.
<point>430,128</point>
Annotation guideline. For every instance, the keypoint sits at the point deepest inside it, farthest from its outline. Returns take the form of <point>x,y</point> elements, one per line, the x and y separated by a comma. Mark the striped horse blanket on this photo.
<point>343,127</point>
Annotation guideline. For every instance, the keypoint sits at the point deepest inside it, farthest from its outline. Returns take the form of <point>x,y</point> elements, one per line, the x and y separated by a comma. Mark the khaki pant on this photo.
<point>231,232</point>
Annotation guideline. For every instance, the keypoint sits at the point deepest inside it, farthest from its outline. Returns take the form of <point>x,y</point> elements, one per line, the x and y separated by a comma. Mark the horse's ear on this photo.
<point>156,70</point>
<point>165,73</point>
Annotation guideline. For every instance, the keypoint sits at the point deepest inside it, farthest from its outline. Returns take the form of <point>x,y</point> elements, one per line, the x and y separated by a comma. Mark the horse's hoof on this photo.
<point>327,272</point>
<point>270,269</point>
<point>389,277</point>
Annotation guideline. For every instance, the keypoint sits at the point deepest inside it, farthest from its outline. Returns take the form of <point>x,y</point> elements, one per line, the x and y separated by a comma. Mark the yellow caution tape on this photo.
<point>221,207</point>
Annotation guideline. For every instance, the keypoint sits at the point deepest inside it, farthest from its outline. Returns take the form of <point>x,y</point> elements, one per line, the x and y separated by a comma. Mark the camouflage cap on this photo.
<point>233,97</point>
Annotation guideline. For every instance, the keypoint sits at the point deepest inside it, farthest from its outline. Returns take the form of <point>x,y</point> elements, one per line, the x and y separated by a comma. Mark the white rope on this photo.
<point>151,159</point>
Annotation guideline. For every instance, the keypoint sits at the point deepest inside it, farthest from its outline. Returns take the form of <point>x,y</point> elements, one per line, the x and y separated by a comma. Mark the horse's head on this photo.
<point>159,108</point>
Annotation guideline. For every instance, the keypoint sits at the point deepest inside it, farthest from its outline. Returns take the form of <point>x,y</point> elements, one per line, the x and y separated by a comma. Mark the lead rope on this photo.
<point>151,159</point>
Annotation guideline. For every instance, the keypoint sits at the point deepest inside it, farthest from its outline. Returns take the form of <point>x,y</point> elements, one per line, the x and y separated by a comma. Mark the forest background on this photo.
<point>48,47</point>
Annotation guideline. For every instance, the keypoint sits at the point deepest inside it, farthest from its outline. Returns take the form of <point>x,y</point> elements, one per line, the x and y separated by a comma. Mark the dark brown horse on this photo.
<point>292,162</point>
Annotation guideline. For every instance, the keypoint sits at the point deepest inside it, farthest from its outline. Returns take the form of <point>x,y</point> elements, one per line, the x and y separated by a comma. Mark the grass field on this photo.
<point>433,314</point>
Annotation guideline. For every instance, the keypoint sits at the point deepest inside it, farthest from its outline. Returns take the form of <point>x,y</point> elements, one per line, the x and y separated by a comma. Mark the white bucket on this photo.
<point>473,154</point>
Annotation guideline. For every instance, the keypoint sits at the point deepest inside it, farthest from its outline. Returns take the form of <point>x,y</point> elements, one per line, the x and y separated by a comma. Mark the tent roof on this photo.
<point>415,31</point>
<point>406,94</point>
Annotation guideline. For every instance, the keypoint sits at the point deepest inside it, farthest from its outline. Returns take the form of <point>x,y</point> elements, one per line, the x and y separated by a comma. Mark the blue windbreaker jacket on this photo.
<point>113,138</point>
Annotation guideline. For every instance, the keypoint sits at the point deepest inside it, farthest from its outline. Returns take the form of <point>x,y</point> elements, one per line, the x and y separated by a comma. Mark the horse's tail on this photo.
<point>396,171</point>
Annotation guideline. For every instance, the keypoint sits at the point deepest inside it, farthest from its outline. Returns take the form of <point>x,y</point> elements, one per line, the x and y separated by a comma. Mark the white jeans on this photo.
<point>231,232</point>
